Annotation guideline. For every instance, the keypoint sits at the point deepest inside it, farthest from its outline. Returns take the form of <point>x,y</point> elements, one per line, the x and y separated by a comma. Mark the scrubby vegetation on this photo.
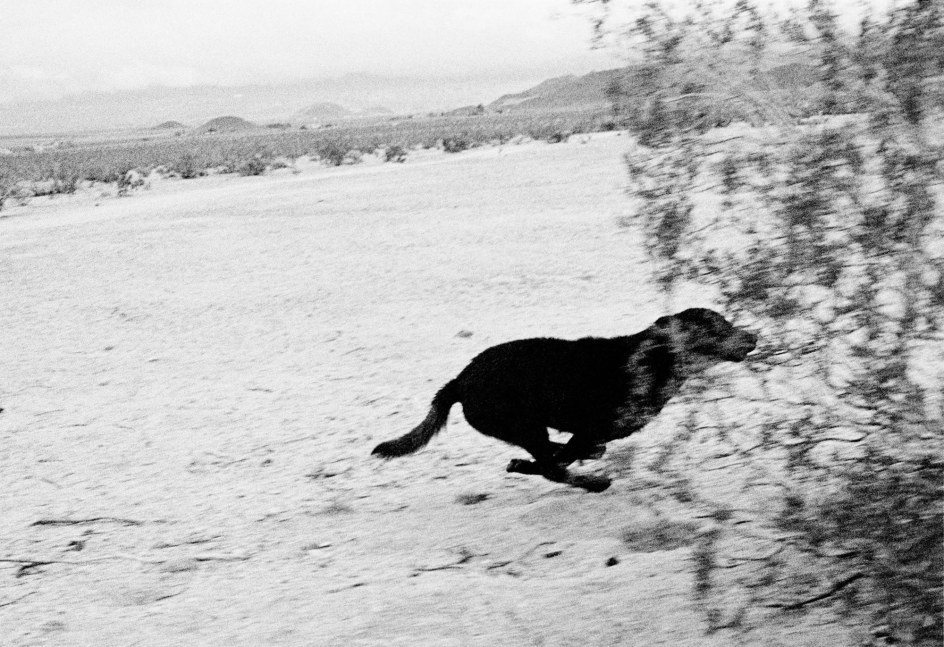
<point>395,153</point>
<point>827,235</point>
<point>456,143</point>
<point>253,152</point>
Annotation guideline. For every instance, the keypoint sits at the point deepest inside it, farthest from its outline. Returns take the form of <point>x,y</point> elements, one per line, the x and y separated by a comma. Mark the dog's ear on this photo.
<point>662,329</point>
<point>664,323</point>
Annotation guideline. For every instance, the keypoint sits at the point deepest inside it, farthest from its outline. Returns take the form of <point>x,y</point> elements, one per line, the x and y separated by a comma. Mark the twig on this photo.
<point>6,604</point>
<point>816,441</point>
<point>27,564</point>
<point>466,556</point>
<point>345,588</point>
<point>188,542</point>
<point>430,569</point>
<point>221,558</point>
<point>170,595</point>
<point>523,555</point>
<point>75,522</point>
<point>840,585</point>
<point>763,558</point>
<point>206,557</point>
<point>726,466</point>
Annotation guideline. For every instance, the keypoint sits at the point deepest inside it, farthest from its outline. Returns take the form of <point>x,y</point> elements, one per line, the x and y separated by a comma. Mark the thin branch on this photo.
<point>816,441</point>
<point>762,558</point>
<point>75,522</point>
<point>466,556</point>
<point>28,565</point>
<point>14,601</point>
<point>838,586</point>
<point>345,588</point>
<point>523,555</point>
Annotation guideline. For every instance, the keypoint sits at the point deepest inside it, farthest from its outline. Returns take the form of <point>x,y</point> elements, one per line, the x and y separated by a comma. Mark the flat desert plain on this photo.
<point>193,378</point>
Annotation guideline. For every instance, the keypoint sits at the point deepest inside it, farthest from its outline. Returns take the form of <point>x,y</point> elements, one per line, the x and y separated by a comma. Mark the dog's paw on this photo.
<point>594,452</point>
<point>521,466</point>
<point>590,483</point>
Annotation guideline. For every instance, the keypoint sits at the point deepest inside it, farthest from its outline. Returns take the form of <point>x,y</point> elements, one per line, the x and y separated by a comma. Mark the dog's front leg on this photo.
<point>581,447</point>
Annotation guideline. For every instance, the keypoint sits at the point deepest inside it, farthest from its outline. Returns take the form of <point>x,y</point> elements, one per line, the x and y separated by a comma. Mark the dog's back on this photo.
<point>563,384</point>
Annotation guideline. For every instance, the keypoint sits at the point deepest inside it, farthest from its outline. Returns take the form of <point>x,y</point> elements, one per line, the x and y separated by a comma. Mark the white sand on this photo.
<point>216,358</point>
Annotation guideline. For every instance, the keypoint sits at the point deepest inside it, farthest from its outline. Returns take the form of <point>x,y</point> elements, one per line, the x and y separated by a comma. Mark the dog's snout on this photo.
<point>739,345</point>
<point>746,342</point>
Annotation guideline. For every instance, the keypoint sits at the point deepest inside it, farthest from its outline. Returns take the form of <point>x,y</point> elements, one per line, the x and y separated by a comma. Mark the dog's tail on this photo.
<point>435,420</point>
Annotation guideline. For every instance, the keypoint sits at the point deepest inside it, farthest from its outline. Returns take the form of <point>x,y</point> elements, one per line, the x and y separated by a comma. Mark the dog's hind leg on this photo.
<point>545,464</point>
<point>532,437</point>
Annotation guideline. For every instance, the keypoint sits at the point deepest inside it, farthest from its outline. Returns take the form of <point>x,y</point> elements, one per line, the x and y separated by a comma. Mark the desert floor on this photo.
<point>193,378</point>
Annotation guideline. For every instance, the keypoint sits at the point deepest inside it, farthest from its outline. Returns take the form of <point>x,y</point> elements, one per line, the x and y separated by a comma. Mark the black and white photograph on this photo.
<point>454,323</point>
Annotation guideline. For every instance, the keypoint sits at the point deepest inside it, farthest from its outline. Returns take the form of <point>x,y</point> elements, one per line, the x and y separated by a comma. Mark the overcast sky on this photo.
<point>466,51</point>
<point>50,48</point>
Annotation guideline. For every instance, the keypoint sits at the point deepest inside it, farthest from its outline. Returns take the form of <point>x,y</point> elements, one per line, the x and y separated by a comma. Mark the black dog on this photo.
<point>596,389</point>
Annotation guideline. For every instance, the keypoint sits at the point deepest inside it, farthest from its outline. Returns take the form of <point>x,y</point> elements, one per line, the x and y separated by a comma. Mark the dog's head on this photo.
<point>699,334</point>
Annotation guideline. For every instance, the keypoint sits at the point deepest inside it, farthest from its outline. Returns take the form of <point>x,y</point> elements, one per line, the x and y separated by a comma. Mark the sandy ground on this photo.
<point>195,376</point>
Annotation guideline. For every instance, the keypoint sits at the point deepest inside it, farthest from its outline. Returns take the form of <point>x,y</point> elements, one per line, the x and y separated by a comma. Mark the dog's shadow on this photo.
<point>633,518</point>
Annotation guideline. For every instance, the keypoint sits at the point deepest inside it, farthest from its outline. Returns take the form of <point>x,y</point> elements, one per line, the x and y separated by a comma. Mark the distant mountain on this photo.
<point>590,91</point>
<point>326,112</point>
<point>227,124</point>
<point>466,111</point>
<point>170,125</point>
<point>564,93</point>
<point>362,94</point>
<point>319,113</point>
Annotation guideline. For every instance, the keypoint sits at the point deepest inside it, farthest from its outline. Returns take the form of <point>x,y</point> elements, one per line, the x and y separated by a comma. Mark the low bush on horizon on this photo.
<point>456,143</point>
<point>395,153</point>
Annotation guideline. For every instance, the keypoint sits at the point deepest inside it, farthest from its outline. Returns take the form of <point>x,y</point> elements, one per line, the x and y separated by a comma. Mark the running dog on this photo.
<point>597,389</point>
